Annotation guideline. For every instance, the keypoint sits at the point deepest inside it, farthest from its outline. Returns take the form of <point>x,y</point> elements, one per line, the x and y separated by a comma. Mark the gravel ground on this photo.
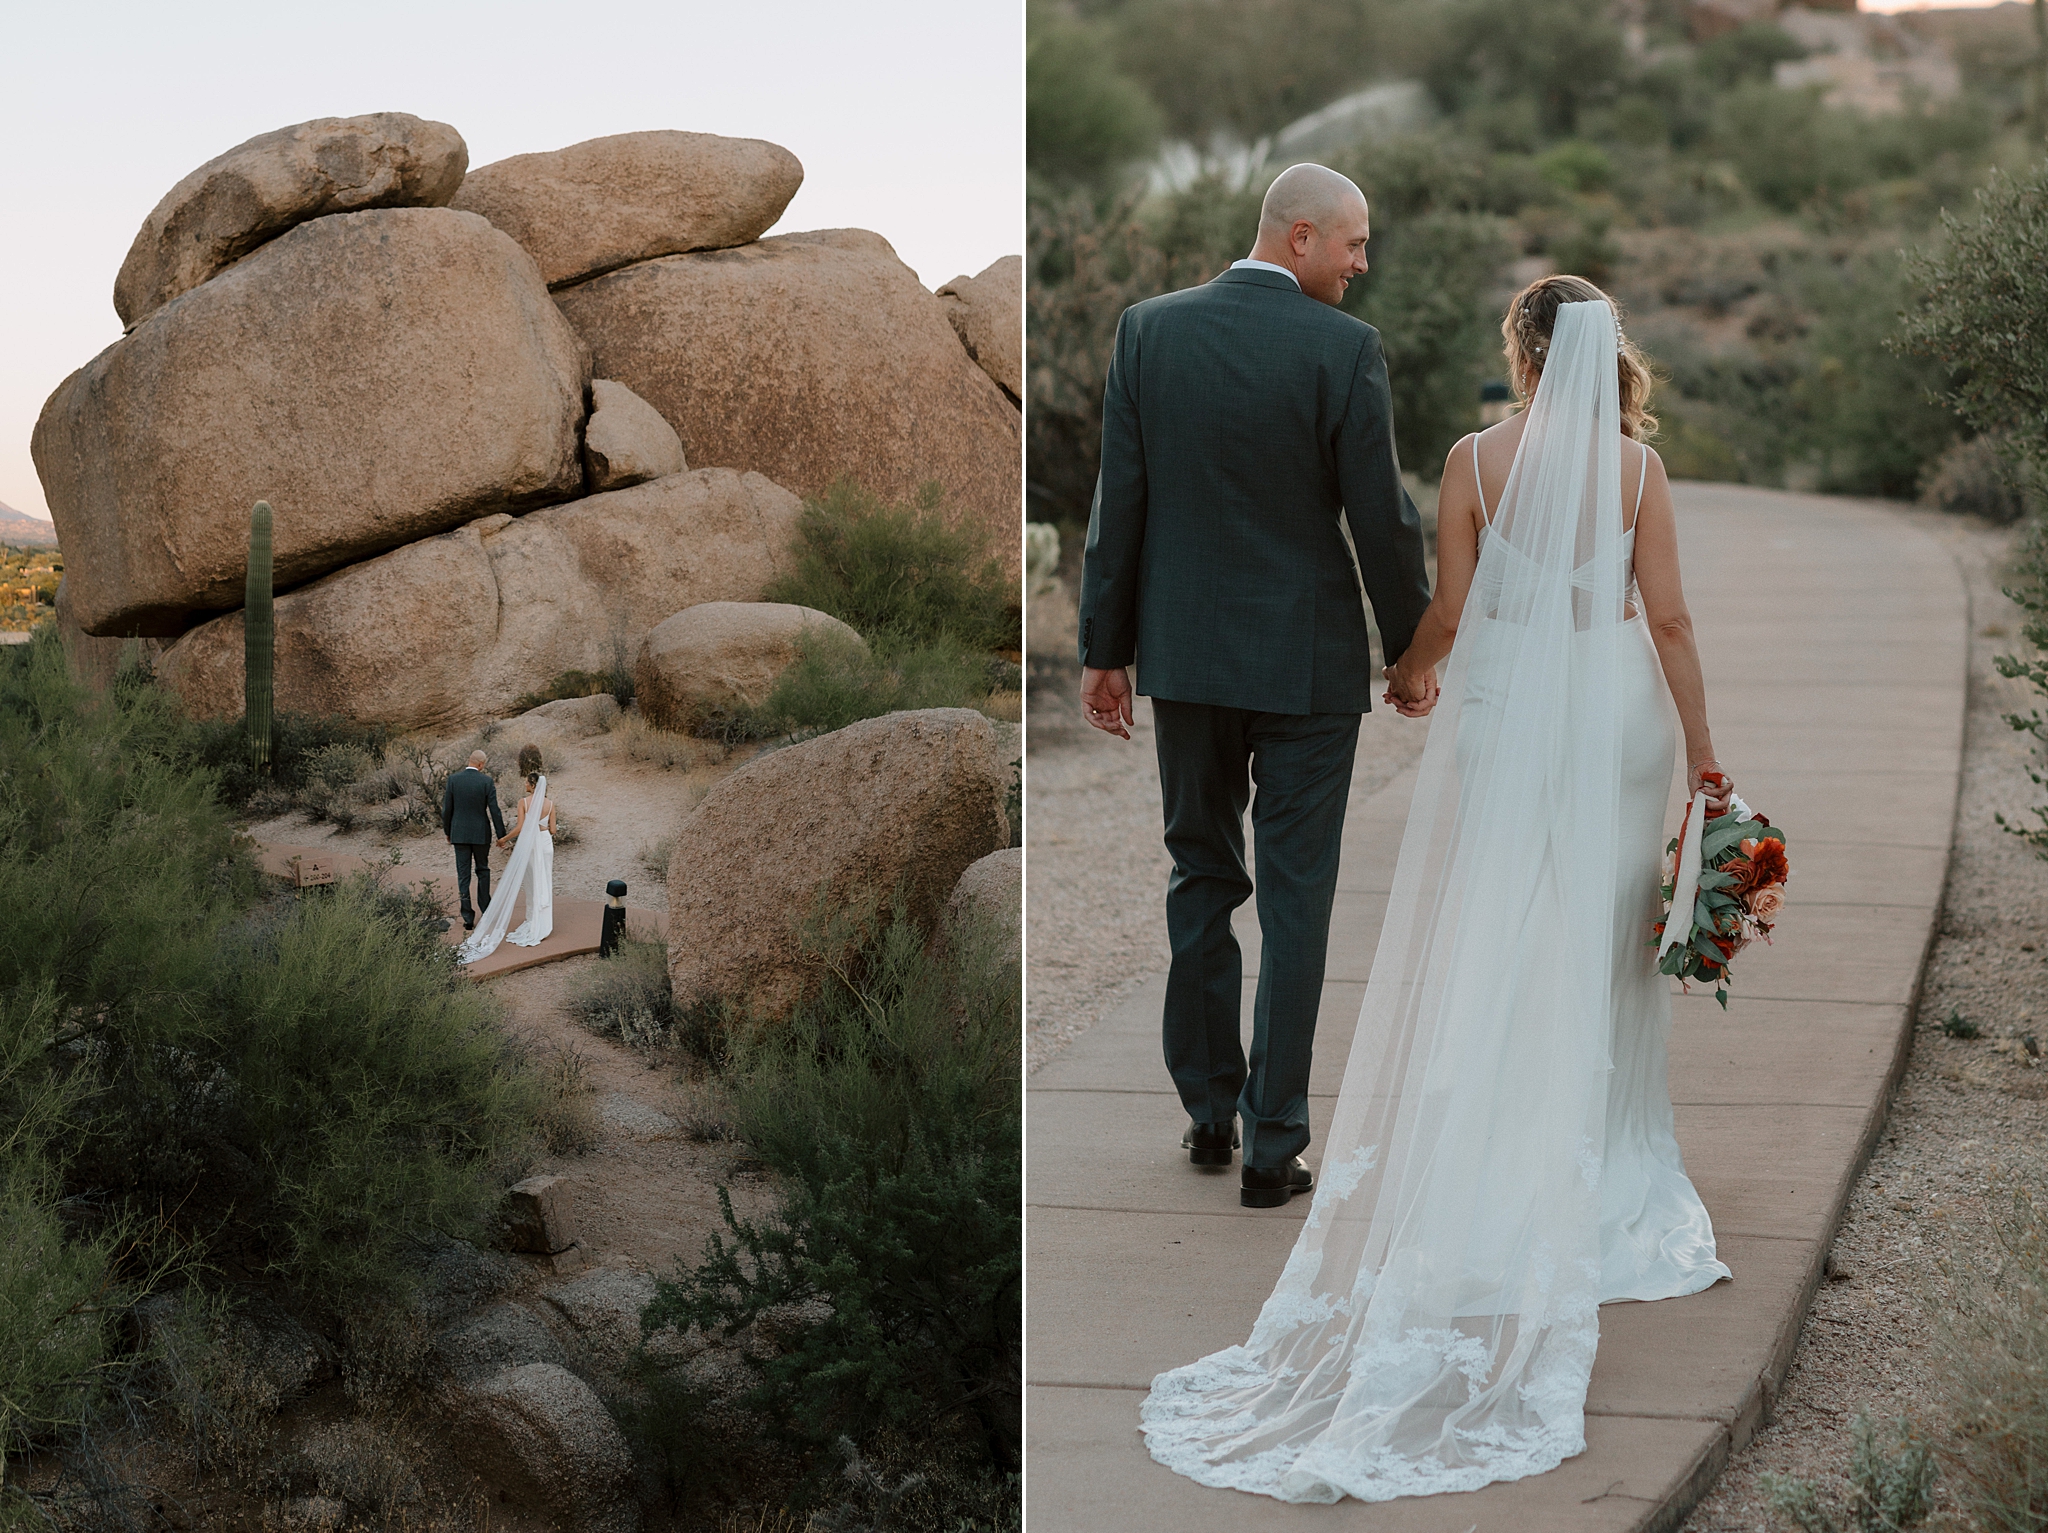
<point>1966,1111</point>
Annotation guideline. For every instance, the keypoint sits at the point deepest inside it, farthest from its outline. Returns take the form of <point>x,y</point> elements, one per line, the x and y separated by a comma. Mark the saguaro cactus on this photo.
<point>259,640</point>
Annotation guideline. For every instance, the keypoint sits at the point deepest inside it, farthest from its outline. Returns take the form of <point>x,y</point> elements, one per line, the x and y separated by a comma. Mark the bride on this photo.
<point>1501,1159</point>
<point>531,872</point>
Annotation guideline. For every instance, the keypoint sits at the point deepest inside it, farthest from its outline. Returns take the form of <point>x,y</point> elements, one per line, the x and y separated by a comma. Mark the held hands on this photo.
<point>1411,696</point>
<point>1106,700</point>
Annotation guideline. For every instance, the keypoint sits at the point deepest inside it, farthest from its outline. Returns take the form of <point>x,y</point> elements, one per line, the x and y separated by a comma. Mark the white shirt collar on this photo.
<point>1266,266</point>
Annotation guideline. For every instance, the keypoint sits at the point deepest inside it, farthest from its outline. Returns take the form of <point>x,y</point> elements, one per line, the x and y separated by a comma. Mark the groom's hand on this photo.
<point>1106,699</point>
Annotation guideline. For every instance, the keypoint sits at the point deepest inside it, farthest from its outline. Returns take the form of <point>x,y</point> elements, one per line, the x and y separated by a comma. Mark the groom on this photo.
<point>469,808</point>
<point>1245,424</point>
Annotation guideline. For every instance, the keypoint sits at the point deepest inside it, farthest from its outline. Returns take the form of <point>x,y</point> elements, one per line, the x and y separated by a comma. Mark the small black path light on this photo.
<point>614,919</point>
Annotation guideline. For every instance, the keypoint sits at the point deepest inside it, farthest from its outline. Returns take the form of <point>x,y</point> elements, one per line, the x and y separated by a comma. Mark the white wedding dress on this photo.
<point>531,872</point>
<point>1501,1160</point>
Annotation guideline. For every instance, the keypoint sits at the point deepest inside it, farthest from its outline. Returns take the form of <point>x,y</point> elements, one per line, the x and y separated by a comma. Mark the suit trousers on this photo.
<point>481,855</point>
<point>1210,758</point>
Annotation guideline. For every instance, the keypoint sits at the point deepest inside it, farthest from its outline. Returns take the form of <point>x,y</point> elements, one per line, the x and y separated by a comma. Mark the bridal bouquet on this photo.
<point>1732,868</point>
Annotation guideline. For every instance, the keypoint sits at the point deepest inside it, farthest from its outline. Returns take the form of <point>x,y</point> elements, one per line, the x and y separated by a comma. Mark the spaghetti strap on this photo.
<point>1479,484</point>
<point>1642,478</point>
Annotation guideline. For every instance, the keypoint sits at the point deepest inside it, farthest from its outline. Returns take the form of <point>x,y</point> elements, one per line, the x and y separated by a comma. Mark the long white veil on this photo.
<point>1434,1328</point>
<point>497,916</point>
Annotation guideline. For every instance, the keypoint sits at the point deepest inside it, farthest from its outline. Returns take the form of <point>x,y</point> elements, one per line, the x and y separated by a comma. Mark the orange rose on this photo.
<point>1765,903</point>
<point>1767,857</point>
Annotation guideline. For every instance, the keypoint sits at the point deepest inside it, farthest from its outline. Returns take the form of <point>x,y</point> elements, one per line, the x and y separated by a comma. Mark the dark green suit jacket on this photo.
<point>1241,419</point>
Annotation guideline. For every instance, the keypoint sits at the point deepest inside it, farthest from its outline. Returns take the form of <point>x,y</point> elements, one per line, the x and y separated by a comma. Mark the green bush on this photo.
<point>617,680</point>
<point>1083,119</point>
<point>1890,1486</point>
<point>311,1082</point>
<point>889,1108</point>
<point>372,1092</point>
<point>1982,316</point>
<point>900,572</point>
<point>835,682</point>
<point>628,997</point>
<point>2030,590</point>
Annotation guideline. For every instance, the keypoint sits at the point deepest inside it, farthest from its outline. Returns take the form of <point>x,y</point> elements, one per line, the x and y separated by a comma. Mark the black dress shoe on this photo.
<point>1210,1144</point>
<point>1270,1189</point>
<point>468,925</point>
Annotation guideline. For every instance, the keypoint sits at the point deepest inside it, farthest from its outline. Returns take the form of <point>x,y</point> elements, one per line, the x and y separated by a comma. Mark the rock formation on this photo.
<point>988,315</point>
<point>903,803</point>
<point>259,189</point>
<point>723,655</point>
<point>377,377</point>
<point>449,631</point>
<point>993,887</point>
<point>542,1433</point>
<point>332,318</point>
<point>609,202</point>
<point>811,357</point>
<point>626,441</point>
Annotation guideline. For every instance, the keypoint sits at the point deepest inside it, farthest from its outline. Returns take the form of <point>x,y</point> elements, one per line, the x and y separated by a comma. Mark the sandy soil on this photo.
<point>1966,1111</point>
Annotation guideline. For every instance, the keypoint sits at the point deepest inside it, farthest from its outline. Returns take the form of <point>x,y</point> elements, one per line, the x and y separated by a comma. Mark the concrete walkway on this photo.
<point>579,924</point>
<point>1835,637</point>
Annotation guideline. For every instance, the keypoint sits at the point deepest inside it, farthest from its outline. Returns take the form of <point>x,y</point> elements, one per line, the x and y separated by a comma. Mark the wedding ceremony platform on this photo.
<point>1834,635</point>
<point>578,923</point>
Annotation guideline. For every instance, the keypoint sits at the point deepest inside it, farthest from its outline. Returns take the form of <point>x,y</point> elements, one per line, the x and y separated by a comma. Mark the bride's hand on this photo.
<point>1720,792</point>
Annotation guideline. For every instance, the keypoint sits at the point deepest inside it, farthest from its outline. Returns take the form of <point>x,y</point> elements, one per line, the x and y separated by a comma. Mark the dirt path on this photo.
<point>1965,1111</point>
<point>646,1186</point>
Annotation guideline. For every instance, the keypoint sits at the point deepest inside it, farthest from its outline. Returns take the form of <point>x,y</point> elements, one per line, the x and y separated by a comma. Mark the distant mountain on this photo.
<point>25,531</point>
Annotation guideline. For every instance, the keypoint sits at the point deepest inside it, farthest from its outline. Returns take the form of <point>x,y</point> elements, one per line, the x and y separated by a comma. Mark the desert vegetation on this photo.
<point>1754,230</point>
<point>218,1095</point>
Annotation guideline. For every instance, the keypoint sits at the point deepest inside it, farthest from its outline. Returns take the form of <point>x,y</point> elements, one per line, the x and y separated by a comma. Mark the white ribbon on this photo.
<point>1685,886</point>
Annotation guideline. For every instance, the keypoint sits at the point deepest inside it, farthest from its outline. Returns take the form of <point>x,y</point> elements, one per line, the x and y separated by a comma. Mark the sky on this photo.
<point>908,116</point>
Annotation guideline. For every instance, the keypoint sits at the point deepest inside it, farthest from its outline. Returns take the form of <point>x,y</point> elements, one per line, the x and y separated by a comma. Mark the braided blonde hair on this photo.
<point>1532,315</point>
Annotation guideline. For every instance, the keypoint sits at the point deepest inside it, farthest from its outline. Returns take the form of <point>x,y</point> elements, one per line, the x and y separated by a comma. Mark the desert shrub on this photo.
<point>1083,117</point>
<point>836,682</point>
<point>1973,478</point>
<point>2030,590</point>
<point>308,748</point>
<point>312,1082</point>
<point>1994,1356</point>
<point>1890,1485</point>
<point>900,571</point>
<point>371,1089</point>
<point>889,1107</point>
<point>642,741</point>
<point>1983,314</point>
<point>628,997</point>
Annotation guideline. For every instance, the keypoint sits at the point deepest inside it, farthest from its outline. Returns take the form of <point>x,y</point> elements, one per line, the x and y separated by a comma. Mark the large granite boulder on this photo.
<point>377,377</point>
<point>609,202</point>
<point>257,190</point>
<point>993,889</point>
<point>809,357</point>
<point>987,313</point>
<point>626,441</point>
<point>451,630</point>
<point>541,1435</point>
<point>723,655</point>
<point>839,824</point>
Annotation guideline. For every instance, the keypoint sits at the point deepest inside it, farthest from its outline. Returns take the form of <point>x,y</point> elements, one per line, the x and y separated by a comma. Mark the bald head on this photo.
<point>1314,222</point>
<point>1313,194</point>
<point>477,759</point>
